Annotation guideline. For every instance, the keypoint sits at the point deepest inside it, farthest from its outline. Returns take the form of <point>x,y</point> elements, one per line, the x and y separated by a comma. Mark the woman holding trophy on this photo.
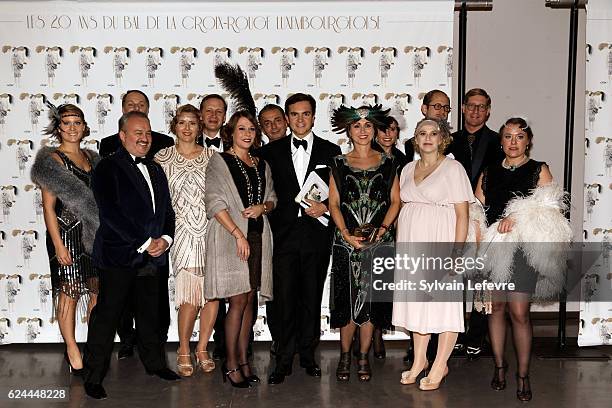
<point>364,202</point>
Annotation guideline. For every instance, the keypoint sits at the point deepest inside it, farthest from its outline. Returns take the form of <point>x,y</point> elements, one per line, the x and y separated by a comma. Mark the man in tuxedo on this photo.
<point>136,229</point>
<point>301,243</point>
<point>137,101</point>
<point>475,147</point>
<point>436,105</point>
<point>273,122</point>
<point>213,109</point>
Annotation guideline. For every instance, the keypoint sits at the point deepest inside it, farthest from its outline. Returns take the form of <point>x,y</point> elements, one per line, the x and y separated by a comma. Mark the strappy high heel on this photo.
<point>226,375</point>
<point>184,369</point>
<point>496,383</point>
<point>523,392</point>
<point>427,385</point>
<point>205,364</point>
<point>343,372</point>
<point>408,377</point>
<point>250,378</point>
<point>364,371</point>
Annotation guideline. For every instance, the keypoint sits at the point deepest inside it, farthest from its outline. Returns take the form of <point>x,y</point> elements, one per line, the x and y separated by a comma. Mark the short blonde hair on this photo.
<point>187,108</point>
<point>442,128</point>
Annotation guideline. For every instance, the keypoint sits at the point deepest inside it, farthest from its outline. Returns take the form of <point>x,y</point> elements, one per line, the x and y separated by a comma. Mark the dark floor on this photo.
<point>556,383</point>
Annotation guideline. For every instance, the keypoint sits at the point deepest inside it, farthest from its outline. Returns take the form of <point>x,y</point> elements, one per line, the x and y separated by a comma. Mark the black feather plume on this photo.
<point>235,82</point>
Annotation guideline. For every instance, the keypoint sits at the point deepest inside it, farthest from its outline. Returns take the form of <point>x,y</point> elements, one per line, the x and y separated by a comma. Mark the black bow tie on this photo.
<point>213,142</point>
<point>297,143</point>
<point>144,160</point>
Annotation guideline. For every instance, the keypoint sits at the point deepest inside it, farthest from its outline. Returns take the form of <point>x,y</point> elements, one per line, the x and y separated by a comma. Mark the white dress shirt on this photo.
<point>145,172</point>
<point>301,157</point>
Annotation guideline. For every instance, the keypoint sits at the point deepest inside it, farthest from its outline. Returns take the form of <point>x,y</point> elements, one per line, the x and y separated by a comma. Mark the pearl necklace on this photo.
<point>513,167</point>
<point>252,200</point>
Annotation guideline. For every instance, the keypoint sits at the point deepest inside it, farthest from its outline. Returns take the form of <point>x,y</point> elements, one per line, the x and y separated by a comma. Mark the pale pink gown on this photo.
<point>428,215</point>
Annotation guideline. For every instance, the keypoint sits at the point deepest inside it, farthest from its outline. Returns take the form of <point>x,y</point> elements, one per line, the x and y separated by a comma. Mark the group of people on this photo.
<point>220,207</point>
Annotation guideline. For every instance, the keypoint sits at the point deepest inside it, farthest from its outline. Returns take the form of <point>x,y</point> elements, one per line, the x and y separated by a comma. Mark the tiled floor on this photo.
<point>555,383</point>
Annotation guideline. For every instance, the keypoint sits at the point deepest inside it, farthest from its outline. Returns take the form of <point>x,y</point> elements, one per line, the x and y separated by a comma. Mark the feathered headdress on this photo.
<point>235,82</point>
<point>54,119</point>
<point>345,116</point>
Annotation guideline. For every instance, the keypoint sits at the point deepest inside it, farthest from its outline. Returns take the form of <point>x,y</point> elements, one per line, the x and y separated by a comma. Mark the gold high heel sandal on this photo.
<point>184,369</point>
<point>408,377</point>
<point>427,385</point>
<point>205,364</point>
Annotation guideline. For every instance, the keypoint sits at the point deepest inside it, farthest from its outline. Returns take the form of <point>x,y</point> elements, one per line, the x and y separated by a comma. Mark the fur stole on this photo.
<point>542,232</point>
<point>74,194</point>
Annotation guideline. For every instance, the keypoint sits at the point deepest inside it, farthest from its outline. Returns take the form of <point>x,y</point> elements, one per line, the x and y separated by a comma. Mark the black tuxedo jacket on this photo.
<point>126,213</point>
<point>285,215</point>
<point>486,150</point>
<point>111,144</point>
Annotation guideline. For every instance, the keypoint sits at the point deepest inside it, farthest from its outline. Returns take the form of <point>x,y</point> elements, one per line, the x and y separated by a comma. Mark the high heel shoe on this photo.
<point>364,371</point>
<point>226,375</point>
<point>343,371</point>
<point>249,378</point>
<point>205,364</point>
<point>408,377</point>
<point>74,371</point>
<point>496,383</point>
<point>184,369</point>
<point>427,385</point>
<point>523,393</point>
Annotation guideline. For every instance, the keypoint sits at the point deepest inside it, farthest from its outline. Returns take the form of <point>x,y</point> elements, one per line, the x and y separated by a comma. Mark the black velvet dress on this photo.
<point>255,226</point>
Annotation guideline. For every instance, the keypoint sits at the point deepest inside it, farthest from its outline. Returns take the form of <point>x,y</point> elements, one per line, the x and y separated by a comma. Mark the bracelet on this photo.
<point>265,208</point>
<point>240,237</point>
<point>232,231</point>
<point>385,227</point>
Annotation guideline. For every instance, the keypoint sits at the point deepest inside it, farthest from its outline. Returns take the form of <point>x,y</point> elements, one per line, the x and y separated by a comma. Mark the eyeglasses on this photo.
<point>472,107</point>
<point>438,106</point>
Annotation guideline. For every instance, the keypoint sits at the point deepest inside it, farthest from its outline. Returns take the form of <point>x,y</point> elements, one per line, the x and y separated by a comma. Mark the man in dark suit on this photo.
<point>136,229</point>
<point>436,105</point>
<point>213,109</point>
<point>137,101</point>
<point>475,147</point>
<point>301,242</point>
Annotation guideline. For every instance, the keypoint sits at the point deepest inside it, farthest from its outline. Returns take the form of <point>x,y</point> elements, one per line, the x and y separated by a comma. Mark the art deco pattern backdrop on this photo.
<point>90,53</point>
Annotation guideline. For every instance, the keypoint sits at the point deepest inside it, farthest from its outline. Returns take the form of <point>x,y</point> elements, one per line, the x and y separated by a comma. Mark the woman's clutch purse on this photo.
<point>367,231</point>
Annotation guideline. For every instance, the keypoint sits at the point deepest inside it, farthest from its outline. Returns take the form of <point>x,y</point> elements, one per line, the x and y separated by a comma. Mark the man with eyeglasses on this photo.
<point>436,105</point>
<point>475,147</point>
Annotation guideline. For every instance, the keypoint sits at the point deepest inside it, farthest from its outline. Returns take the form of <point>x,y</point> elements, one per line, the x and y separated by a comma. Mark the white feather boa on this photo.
<point>543,233</point>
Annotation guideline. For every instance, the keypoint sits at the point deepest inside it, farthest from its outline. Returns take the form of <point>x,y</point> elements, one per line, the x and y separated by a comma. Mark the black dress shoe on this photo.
<point>313,371</point>
<point>126,351</point>
<point>276,378</point>
<point>95,391</point>
<point>165,374</point>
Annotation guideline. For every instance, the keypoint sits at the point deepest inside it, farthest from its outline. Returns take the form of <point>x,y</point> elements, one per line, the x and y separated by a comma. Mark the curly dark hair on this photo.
<point>228,129</point>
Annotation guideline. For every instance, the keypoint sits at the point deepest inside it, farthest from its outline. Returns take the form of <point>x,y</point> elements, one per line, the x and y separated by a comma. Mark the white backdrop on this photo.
<point>91,53</point>
<point>596,305</point>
